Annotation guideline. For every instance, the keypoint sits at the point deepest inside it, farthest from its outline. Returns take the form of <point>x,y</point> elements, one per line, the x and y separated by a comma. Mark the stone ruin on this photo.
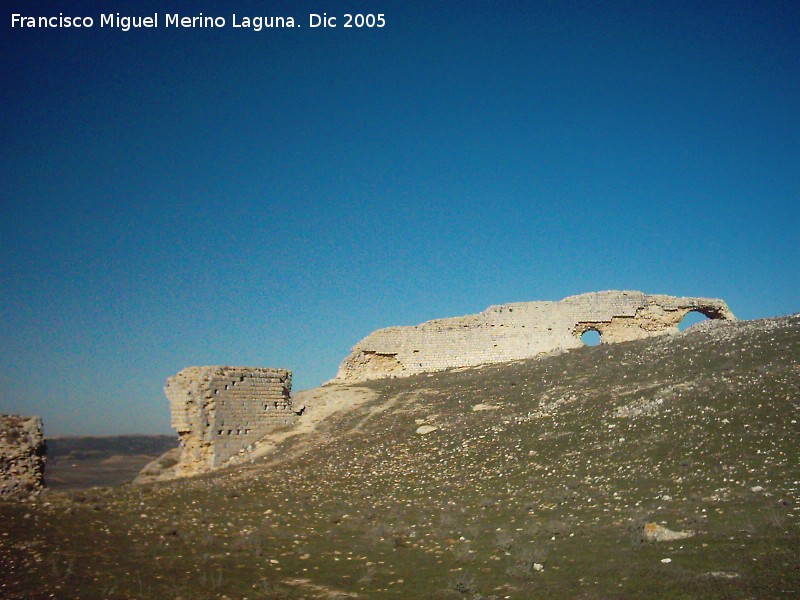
<point>22,450</point>
<point>519,330</point>
<point>219,411</point>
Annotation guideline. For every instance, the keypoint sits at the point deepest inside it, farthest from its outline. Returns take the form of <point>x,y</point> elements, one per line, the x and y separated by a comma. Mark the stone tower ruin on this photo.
<point>219,411</point>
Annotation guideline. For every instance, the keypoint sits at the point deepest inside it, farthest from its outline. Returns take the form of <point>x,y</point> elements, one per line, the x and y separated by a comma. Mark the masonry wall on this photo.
<point>22,454</point>
<point>219,411</point>
<point>519,330</point>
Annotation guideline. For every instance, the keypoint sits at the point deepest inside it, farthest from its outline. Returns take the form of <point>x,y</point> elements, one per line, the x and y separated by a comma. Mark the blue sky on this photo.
<point>224,196</point>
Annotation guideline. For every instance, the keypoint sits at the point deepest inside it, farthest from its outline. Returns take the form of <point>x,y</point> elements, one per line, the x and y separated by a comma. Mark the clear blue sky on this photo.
<point>224,196</point>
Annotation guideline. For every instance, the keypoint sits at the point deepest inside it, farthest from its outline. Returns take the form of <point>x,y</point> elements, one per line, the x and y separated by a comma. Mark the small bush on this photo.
<point>635,530</point>
<point>463,552</point>
<point>777,513</point>
<point>503,541</point>
<point>463,583</point>
<point>524,566</point>
<point>211,579</point>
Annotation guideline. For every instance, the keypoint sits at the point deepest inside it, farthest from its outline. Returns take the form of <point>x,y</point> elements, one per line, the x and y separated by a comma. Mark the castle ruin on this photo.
<point>22,457</point>
<point>219,411</point>
<point>519,330</point>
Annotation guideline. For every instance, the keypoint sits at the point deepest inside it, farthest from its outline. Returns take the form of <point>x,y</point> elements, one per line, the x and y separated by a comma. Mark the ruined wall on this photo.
<point>520,330</point>
<point>219,411</point>
<point>22,451</point>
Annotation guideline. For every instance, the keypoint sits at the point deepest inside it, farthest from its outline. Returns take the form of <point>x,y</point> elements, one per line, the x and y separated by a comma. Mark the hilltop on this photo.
<point>548,477</point>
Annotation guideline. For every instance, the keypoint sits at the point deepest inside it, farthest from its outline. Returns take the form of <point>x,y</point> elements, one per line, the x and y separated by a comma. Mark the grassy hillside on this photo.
<point>543,478</point>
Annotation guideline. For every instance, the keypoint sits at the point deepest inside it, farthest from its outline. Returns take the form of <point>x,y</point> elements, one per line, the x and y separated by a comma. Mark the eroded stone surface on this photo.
<point>520,330</point>
<point>22,451</point>
<point>426,429</point>
<point>653,532</point>
<point>219,411</point>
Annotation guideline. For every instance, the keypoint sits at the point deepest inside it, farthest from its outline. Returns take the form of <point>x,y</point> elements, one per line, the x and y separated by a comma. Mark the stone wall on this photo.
<point>22,451</point>
<point>520,330</point>
<point>219,411</point>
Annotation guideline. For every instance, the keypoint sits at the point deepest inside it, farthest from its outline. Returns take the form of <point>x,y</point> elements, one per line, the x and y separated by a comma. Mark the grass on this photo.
<point>694,432</point>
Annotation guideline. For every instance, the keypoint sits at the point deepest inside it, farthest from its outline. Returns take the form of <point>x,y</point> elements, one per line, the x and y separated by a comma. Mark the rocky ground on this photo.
<point>658,468</point>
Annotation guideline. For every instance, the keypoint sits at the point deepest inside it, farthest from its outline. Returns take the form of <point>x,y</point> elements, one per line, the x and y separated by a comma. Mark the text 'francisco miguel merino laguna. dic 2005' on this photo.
<point>178,21</point>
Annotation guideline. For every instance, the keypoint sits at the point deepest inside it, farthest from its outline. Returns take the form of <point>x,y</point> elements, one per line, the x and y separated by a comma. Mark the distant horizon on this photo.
<point>120,435</point>
<point>692,318</point>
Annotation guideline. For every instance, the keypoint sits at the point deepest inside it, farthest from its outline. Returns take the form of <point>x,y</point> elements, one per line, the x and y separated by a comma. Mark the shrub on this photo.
<point>463,583</point>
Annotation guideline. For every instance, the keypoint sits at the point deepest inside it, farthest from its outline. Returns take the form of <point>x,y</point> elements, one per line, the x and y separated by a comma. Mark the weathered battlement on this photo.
<point>22,451</point>
<point>219,411</point>
<point>520,330</point>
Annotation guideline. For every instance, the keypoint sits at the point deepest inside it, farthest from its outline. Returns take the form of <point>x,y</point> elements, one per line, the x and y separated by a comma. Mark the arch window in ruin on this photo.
<point>692,318</point>
<point>591,337</point>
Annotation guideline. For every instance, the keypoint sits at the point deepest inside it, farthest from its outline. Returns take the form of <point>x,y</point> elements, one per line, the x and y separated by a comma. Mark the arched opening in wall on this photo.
<point>692,318</point>
<point>591,337</point>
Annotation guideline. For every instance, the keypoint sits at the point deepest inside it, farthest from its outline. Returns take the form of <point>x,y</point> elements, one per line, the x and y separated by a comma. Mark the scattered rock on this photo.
<point>653,532</point>
<point>723,574</point>
<point>426,429</point>
<point>478,407</point>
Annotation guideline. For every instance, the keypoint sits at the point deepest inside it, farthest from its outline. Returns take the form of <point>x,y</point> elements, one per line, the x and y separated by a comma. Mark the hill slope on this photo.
<point>543,478</point>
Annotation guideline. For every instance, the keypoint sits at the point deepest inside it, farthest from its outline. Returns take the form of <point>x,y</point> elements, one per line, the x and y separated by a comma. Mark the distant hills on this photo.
<point>99,447</point>
<point>75,462</point>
